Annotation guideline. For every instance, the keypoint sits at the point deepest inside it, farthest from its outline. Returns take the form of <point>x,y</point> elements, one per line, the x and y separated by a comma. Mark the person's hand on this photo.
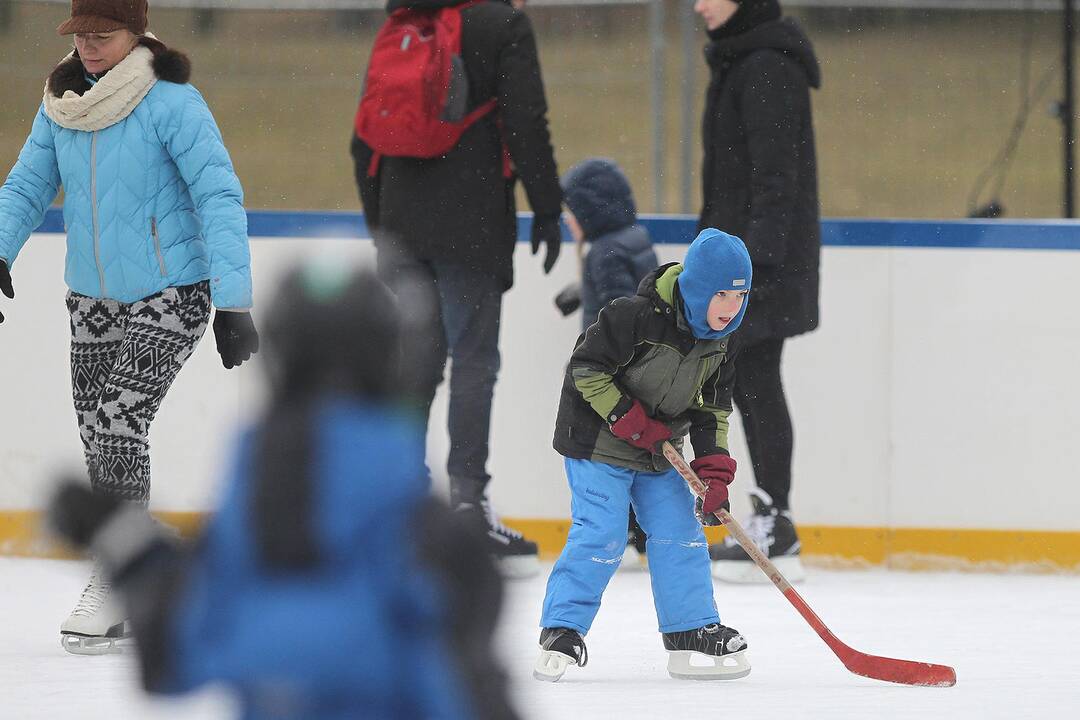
<point>117,532</point>
<point>5,284</point>
<point>706,519</point>
<point>717,472</point>
<point>640,430</point>
<point>569,298</point>
<point>546,231</point>
<point>237,339</point>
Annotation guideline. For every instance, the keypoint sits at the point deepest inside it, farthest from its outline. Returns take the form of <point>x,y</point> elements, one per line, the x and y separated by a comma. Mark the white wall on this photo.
<point>940,390</point>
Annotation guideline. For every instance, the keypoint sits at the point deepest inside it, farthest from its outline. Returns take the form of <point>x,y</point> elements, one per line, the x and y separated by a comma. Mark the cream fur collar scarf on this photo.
<point>110,99</point>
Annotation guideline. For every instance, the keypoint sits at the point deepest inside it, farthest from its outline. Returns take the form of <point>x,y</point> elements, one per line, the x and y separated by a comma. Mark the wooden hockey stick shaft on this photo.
<point>905,672</point>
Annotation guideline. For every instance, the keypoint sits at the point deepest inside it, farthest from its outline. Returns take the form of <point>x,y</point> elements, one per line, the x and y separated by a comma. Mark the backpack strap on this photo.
<point>373,166</point>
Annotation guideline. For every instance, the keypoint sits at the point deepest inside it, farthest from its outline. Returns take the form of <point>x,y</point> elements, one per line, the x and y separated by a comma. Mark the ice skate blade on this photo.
<point>77,644</point>
<point>690,665</point>
<point>518,567</point>
<point>551,665</point>
<point>748,573</point>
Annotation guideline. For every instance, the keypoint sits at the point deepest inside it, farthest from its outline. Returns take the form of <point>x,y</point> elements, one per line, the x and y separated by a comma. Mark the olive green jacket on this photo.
<point>640,348</point>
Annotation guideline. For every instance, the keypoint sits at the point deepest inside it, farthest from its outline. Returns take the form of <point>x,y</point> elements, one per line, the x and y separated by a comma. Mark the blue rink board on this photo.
<point>680,229</point>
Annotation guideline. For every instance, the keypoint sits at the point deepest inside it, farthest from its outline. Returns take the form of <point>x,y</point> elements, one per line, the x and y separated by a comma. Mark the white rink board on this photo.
<point>940,390</point>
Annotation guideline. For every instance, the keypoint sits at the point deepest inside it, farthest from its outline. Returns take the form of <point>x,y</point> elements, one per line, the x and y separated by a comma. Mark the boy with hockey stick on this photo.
<point>652,368</point>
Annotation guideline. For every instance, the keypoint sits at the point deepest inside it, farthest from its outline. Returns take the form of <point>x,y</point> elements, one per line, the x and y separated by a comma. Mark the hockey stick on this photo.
<point>905,672</point>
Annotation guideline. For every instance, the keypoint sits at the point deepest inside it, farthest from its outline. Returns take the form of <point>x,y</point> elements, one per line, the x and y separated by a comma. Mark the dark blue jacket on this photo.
<point>599,195</point>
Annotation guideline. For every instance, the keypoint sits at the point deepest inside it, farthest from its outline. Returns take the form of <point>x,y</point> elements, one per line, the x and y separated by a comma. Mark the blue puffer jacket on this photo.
<point>151,201</point>
<point>354,635</point>
<point>599,195</point>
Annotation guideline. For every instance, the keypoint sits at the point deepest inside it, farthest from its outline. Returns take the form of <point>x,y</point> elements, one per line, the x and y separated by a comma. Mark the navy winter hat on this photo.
<point>715,261</point>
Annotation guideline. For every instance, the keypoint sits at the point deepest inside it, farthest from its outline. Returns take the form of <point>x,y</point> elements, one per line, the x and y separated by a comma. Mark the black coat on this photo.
<point>460,207</point>
<point>760,171</point>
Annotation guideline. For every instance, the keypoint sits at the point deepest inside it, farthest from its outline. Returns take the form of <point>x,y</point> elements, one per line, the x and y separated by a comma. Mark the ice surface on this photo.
<point>1013,640</point>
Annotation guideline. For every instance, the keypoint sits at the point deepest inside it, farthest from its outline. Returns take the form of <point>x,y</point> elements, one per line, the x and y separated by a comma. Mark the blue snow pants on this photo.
<point>677,550</point>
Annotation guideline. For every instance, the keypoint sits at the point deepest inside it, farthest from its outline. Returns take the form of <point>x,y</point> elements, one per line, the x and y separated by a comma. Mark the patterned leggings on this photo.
<point>124,357</point>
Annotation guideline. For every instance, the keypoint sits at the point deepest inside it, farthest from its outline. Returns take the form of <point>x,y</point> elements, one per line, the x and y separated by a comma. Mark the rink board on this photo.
<point>935,409</point>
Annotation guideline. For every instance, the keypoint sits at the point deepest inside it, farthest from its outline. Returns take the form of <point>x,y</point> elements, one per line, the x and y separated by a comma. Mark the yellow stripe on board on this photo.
<point>901,548</point>
<point>21,534</point>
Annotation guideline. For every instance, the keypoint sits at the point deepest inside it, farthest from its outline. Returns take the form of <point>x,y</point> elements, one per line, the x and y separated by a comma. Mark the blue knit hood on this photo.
<point>599,195</point>
<point>715,261</point>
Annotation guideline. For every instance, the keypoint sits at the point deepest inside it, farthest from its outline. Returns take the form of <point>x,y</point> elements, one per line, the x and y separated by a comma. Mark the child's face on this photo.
<point>575,227</point>
<point>723,308</point>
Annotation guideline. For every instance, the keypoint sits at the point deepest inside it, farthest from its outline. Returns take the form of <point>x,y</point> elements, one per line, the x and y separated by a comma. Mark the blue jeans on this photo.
<point>451,311</point>
<point>677,550</point>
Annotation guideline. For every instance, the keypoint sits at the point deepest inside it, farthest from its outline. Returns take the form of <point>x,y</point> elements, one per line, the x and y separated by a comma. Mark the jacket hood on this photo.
<point>785,35</point>
<point>168,64</point>
<point>599,195</point>
<point>660,286</point>
<point>749,14</point>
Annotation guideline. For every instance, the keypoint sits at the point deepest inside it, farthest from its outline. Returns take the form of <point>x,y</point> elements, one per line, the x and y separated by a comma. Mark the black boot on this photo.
<point>515,556</point>
<point>773,531</point>
<point>559,648</point>
<point>725,646</point>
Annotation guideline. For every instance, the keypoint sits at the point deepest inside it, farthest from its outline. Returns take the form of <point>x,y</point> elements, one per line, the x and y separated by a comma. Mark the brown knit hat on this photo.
<point>100,16</point>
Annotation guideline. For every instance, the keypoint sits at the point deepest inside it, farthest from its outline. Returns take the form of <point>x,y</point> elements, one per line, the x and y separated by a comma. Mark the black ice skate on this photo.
<point>713,652</point>
<point>98,624</point>
<point>559,649</point>
<point>515,556</point>
<point>774,532</point>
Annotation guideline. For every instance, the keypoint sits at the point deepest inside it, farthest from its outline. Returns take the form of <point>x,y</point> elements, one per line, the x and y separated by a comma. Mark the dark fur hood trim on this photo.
<point>169,65</point>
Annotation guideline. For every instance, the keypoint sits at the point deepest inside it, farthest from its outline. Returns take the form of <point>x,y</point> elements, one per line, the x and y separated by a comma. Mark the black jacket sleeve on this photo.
<point>774,104</point>
<point>523,113</point>
<point>368,186</point>
<point>607,346</point>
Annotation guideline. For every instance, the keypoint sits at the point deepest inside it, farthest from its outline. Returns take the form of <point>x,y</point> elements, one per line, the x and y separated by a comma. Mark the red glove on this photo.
<point>717,472</point>
<point>640,430</point>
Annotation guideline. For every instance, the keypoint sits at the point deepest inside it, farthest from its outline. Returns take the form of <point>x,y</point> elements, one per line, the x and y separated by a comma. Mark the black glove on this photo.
<point>5,283</point>
<point>569,298</point>
<point>237,339</point>
<point>546,230</point>
<point>708,519</point>
<point>117,532</point>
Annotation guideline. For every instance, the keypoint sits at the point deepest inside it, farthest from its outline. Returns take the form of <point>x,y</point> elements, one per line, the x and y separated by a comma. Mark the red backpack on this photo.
<point>416,91</point>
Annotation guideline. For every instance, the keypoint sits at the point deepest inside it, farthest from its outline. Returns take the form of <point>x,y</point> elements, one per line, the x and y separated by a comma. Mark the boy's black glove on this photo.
<point>707,519</point>
<point>237,339</point>
<point>5,284</point>
<point>117,532</point>
<point>546,231</point>
<point>569,298</point>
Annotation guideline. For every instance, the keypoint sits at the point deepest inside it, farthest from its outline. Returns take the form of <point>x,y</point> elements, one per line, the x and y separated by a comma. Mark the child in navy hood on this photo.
<point>601,212</point>
<point>652,368</point>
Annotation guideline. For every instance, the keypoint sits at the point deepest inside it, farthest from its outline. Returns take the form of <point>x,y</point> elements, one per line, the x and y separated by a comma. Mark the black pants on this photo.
<point>451,312</point>
<point>759,396</point>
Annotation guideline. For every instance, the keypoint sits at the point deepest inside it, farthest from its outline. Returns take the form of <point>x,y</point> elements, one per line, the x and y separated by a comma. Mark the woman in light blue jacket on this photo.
<point>156,234</point>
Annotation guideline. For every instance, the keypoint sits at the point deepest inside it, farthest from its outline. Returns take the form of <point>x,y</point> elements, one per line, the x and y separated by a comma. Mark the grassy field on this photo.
<point>913,106</point>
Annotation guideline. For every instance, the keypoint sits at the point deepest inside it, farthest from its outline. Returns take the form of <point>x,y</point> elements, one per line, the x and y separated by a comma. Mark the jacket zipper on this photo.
<point>157,246</point>
<point>94,211</point>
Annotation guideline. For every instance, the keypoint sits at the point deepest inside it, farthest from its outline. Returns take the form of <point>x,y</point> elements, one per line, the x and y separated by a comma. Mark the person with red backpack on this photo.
<point>452,113</point>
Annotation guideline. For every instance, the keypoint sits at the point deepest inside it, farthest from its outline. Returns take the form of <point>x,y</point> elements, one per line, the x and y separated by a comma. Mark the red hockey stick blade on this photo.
<point>904,672</point>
